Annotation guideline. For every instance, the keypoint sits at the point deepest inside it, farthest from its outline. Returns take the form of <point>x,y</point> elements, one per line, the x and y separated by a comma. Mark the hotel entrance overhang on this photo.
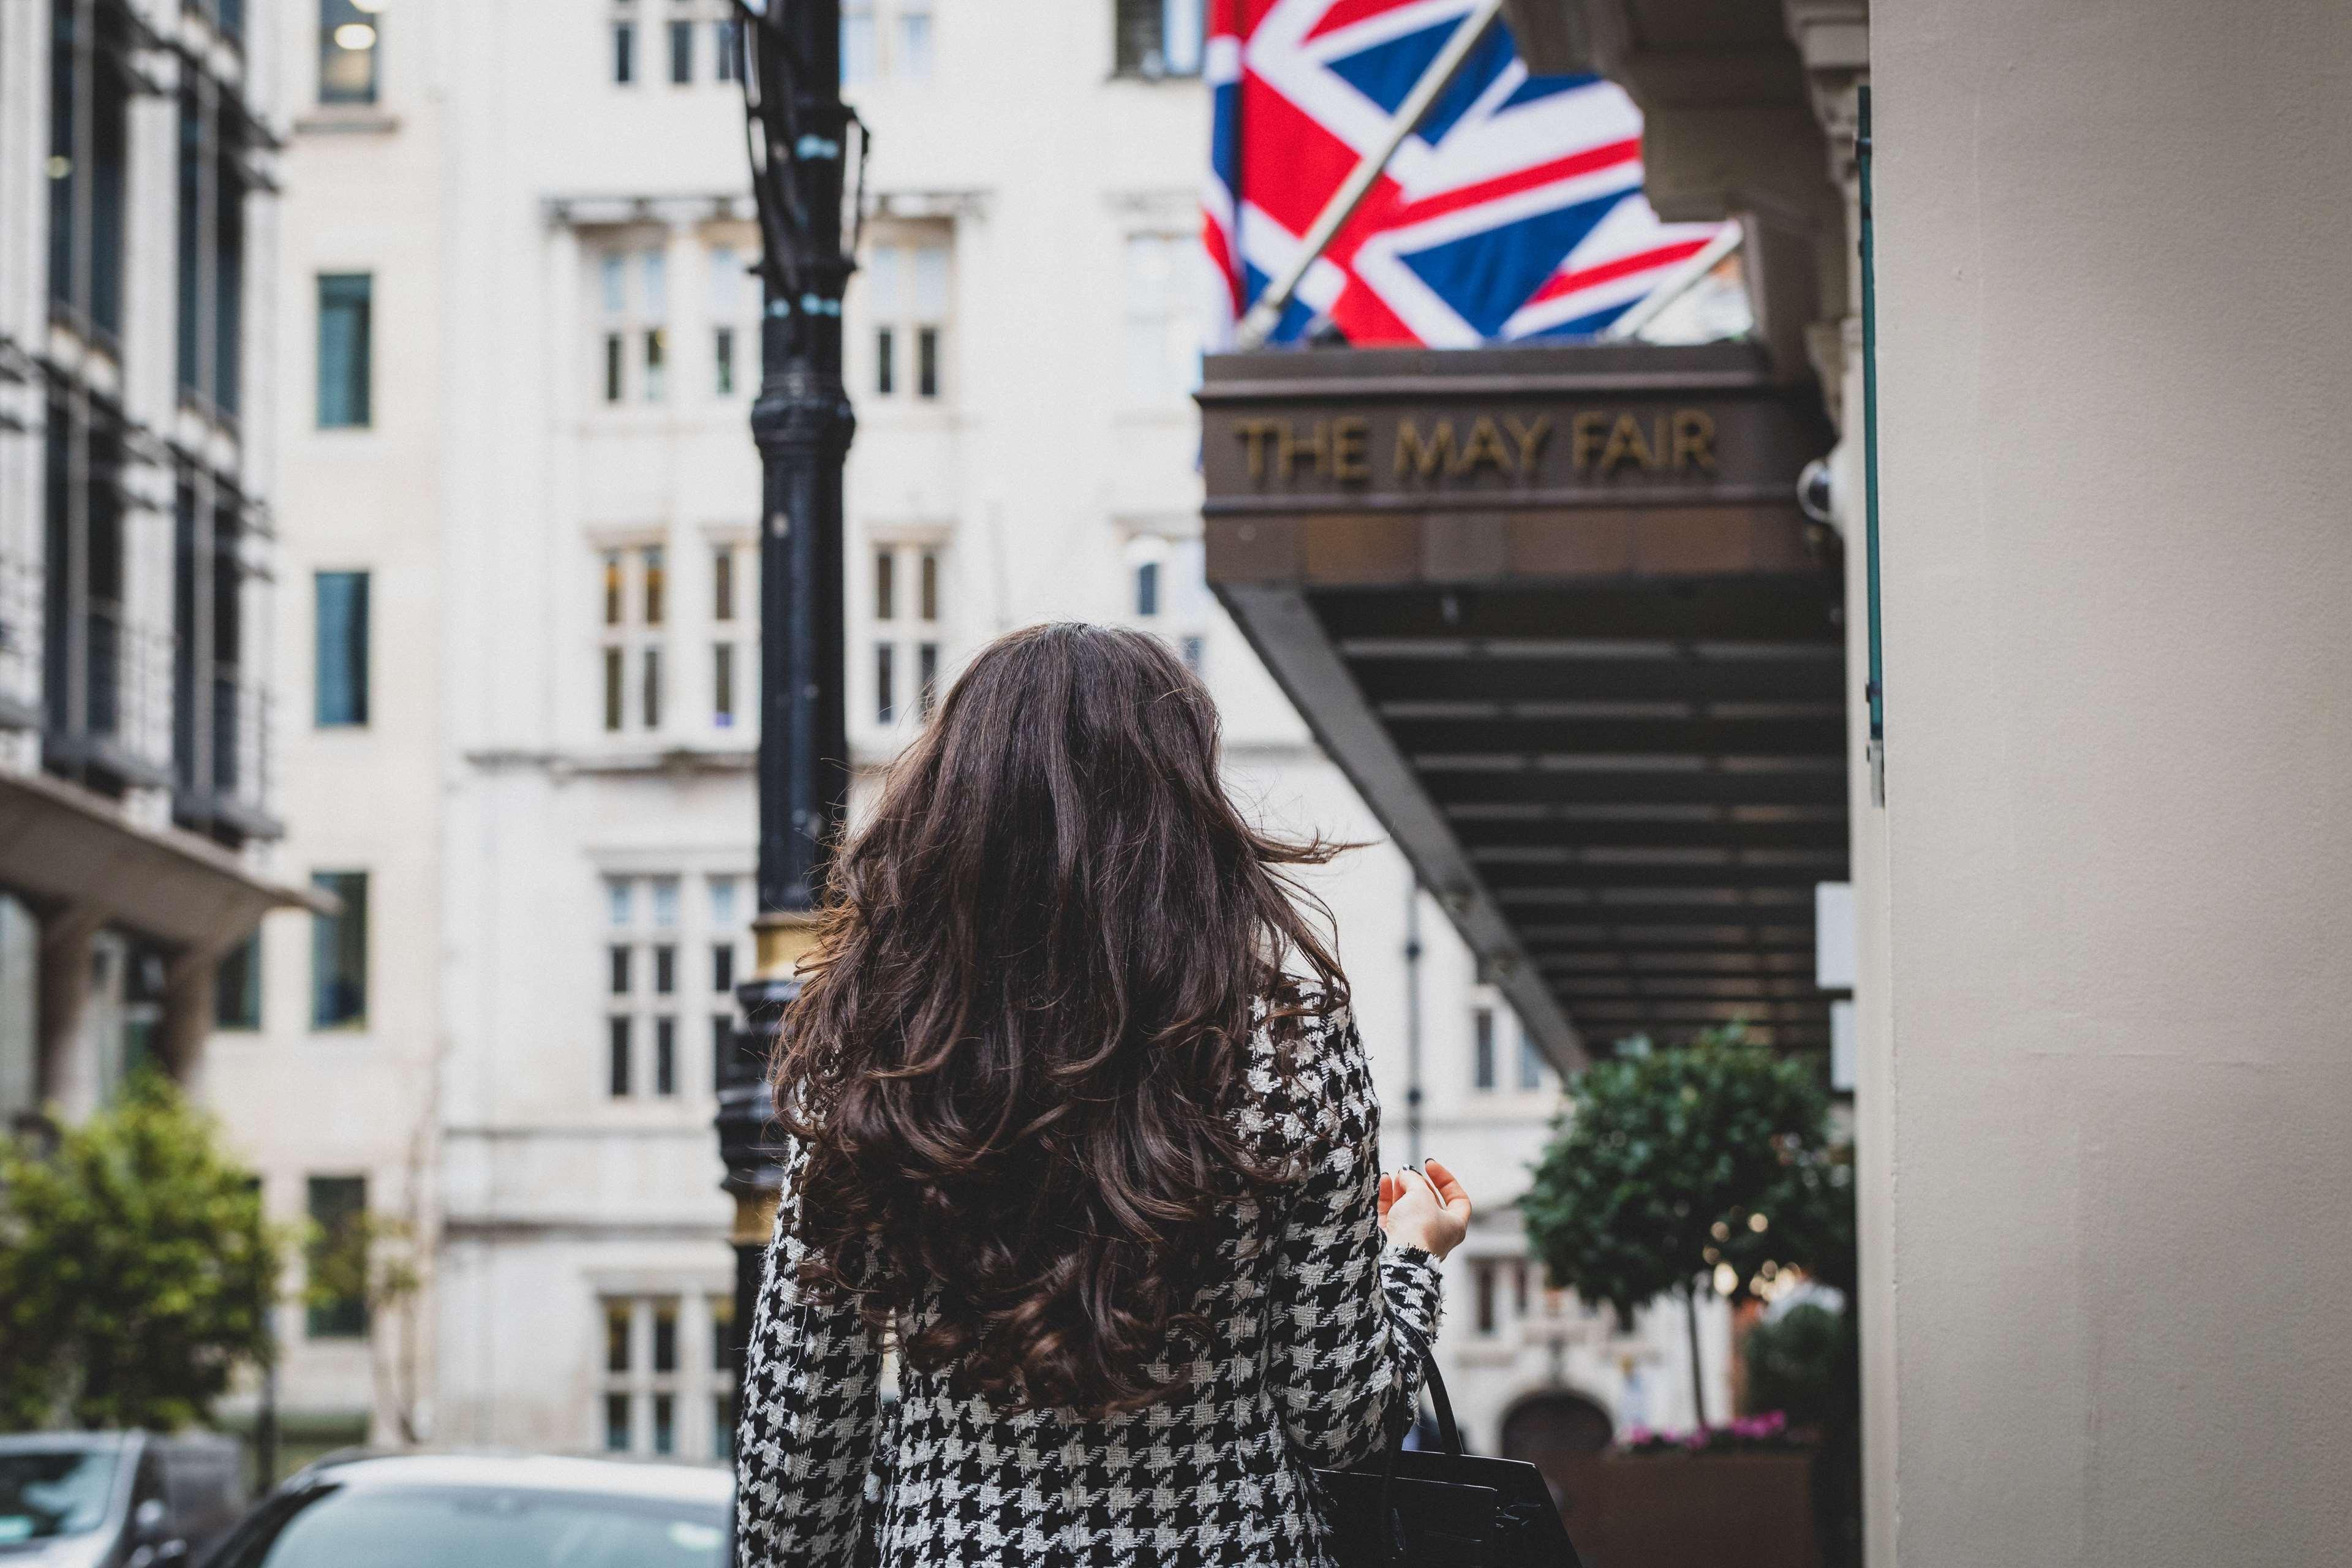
<point>1559,614</point>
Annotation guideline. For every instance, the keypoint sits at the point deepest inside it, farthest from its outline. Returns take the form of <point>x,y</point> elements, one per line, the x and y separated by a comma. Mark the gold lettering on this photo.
<point>1254,433</point>
<point>1530,438</point>
<point>1288,449</point>
<point>1625,446</point>
<point>1693,440</point>
<point>1586,433</point>
<point>1485,446</point>
<point>1425,460</point>
<point>1350,459</point>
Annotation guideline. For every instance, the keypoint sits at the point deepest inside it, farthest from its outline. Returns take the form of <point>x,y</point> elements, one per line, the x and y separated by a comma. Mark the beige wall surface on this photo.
<point>2115,239</point>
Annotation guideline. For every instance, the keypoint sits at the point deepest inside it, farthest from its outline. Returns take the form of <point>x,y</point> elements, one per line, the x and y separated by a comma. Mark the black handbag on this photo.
<point>1441,1508</point>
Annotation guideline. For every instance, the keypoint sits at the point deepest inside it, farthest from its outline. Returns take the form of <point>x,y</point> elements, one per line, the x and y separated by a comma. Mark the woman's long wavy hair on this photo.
<point>1027,1017</point>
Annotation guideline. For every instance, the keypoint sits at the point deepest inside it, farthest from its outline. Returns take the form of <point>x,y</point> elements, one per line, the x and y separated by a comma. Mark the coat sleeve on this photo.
<point>811,1412</point>
<point>1343,1365</point>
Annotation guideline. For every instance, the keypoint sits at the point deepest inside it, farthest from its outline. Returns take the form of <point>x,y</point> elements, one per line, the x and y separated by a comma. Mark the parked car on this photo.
<point>487,1510</point>
<point>115,1500</point>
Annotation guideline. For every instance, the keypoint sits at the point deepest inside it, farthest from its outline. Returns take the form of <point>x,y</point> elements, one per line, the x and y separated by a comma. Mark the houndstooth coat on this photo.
<point>1306,1368</point>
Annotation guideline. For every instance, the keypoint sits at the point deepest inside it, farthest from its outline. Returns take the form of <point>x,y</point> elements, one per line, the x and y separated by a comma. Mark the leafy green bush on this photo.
<point>136,1270</point>
<point>1793,1364</point>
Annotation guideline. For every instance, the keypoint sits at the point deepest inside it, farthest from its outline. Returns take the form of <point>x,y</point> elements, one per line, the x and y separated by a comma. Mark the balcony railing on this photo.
<point>116,718</point>
<point>229,782</point>
<point>20,645</point>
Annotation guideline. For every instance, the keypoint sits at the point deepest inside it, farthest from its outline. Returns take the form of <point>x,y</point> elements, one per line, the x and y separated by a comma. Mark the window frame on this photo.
<point>346,391</point>
<point>342,935</point>
<point>333,17</point>
<point>355,649</point>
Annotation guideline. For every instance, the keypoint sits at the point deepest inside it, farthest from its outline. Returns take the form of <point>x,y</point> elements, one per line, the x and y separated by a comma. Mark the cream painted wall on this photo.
<point>2117,871</point>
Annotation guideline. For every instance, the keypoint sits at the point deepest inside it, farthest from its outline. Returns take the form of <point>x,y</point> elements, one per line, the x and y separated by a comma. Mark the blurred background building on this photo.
<point>139,802</point>
<point>520,644</point>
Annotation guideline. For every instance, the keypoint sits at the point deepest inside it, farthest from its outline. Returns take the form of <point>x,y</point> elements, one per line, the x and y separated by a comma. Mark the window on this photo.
<point>633,595</point>
<point>730,315</point>
<point>624,53</point>
<point>856,42</point>
<point>1481,1048</point>
<point>681,53</point>
<point>646,931</point>
<point>339,953</point>
<point>217,735</point>
<point>650,695</point>
<point>916,567</point>
<point>89,118</point>
<point>342,644</point>
<point>616,1336</point>
<point>338,1210</point>
<point>618,1052</point>
<point>727,46</point>
<point>632,299</point>
<point>237,986</point>
<point>1157,37</point>
<point>733,646</point>
<point>906,292</point>
<point>666,1057</point>
<point>722,968</point>
<point>1531,1062</point>
<point>346,334</point>
<point>1168,593</point>
<point>1162,330</point>
<point>211,248</point>
<point>664,1387</point>
<point>348,41</point>
<point>914,53</point>
<point>1484,1275</point>
<point>722,684</point>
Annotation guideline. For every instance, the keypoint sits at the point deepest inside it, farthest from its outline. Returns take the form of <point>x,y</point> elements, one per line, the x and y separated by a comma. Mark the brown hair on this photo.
<point>1027,1017</point>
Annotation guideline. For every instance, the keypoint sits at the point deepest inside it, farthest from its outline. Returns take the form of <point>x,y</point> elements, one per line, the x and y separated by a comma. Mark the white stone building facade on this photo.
<point>554,498</point>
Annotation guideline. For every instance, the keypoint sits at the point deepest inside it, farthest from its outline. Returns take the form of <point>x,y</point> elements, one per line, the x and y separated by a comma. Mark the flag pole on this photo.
<point>1681,281</point>
<point>1266,314</point>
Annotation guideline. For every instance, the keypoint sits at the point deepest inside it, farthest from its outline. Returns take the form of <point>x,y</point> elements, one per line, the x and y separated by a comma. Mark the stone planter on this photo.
<point>1689,1510</point>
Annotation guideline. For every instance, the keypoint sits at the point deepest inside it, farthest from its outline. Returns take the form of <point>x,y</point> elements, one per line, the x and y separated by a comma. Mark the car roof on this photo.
<point>655,1480</point>
<point>53,1442</point>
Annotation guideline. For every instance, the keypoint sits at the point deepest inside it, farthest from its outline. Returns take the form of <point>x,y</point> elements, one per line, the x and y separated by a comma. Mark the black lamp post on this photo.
<point>798,131</point>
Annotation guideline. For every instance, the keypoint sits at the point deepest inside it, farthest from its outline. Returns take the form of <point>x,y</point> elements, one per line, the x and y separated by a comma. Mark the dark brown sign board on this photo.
<point>1355,466</point>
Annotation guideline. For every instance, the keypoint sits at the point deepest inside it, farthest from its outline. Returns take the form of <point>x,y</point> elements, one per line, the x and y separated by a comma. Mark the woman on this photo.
<point>1062,1133</point>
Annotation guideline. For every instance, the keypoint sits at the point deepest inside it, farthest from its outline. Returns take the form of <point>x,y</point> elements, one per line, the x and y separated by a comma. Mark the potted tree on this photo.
<point>1708,1167</point>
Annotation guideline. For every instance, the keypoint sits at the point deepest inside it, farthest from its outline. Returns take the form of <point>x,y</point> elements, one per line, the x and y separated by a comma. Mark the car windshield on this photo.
<point>480,1527</point>
<point>54,1491</point>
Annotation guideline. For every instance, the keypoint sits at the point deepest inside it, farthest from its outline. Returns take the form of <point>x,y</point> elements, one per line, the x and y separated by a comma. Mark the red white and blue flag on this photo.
<point>1513,212</point>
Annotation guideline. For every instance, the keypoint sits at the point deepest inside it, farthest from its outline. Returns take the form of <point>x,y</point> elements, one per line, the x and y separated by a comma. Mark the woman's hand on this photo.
<point>1430,1212</point>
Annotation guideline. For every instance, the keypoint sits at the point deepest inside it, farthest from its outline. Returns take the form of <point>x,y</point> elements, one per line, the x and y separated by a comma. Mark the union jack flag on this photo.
<point>1513,212</point>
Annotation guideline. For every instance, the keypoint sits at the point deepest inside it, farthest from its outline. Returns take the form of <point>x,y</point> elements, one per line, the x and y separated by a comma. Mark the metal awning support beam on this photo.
<point>1284,631</point>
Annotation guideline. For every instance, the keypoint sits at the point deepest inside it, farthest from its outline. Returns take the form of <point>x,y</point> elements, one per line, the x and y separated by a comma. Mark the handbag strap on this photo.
<point>1449,1437</point>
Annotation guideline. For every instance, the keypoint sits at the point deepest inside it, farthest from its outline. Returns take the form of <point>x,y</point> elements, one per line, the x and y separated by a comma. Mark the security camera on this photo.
<point>1817,492</point>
